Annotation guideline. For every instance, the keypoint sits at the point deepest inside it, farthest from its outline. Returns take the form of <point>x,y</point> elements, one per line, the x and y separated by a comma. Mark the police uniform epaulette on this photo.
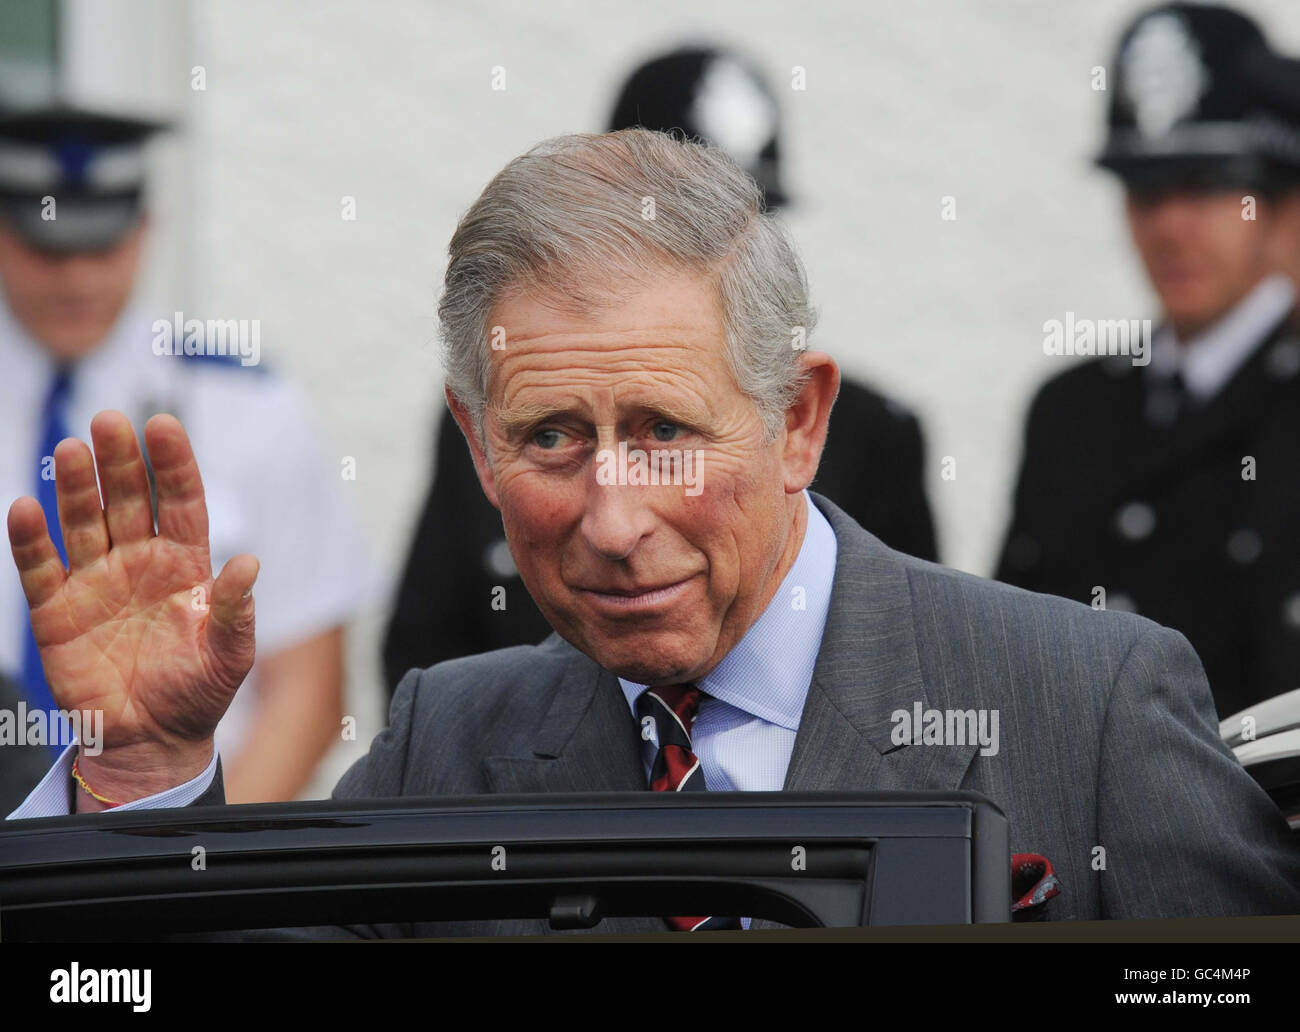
<point>222,342</point>
<point>223,361</point>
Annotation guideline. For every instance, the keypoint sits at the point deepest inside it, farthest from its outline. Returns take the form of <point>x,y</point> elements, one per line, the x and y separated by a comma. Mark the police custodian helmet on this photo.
<point>709,94</point>
<point>1180,115</point>
<point>72,179</point>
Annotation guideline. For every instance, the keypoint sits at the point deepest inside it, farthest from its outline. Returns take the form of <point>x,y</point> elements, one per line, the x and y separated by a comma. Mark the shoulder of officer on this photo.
<point>226,363</point>
<point>862,404</point>
<point>1082,384</point>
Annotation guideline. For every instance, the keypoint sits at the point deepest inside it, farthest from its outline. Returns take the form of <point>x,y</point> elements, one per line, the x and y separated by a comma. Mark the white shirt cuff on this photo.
<point>50,797</point>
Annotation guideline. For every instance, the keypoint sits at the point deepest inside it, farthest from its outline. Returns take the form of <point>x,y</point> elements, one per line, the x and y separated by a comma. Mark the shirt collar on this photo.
<point>1208,360</point>
<point>768,671</point>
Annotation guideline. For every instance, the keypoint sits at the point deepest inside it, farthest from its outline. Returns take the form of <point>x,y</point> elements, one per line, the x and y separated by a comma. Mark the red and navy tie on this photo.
<point>668,714</point>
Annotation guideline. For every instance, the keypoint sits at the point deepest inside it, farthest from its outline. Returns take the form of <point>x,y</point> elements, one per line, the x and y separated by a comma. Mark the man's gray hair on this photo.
<point>584,219</point>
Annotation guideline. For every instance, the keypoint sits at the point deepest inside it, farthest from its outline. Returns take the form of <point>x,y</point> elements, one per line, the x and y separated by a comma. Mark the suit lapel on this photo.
<point>588,741</point>
<point>867,669</point>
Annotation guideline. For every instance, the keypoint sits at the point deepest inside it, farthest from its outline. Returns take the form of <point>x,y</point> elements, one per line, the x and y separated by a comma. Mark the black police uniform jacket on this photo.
<point>1192,523</point>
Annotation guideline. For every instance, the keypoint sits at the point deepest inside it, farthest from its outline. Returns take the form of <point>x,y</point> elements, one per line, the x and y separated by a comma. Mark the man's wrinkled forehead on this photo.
<point>651,335</point>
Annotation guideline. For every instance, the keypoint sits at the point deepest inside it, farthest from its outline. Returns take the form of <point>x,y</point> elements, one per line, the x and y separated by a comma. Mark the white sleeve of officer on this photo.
<point>316,571</point>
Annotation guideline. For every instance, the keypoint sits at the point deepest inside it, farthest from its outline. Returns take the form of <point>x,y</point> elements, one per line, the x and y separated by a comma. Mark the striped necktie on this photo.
<point>667,715</point>
<point>54,428</point>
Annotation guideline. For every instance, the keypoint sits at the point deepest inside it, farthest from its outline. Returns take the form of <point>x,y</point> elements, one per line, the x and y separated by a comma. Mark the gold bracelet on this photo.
<point>76,774</point>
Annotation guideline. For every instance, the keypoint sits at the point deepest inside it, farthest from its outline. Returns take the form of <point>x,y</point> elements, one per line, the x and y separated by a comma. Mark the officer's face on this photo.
<point>1201,254</point>
<point>68,302</point>
<point>654,582</point>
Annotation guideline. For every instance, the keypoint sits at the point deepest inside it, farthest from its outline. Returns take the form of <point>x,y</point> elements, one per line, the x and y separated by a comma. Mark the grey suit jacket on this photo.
<point>1109,760</point>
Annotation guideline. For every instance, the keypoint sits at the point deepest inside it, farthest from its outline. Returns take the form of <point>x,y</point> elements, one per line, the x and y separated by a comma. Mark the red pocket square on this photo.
<point>1033,883</point>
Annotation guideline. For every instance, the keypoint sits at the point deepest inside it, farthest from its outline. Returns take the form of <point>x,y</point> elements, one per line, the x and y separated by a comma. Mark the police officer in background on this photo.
<point>1274,82</point>
<point>1149,488</point>
<point>450,601</point>
<point>73,341</point>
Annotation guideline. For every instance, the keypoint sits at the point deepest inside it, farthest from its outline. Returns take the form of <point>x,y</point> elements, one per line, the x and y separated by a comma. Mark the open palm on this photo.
<point>135,626</point>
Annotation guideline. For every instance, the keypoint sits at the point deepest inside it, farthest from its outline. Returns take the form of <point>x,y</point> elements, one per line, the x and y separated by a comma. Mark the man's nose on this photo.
<point>616,518</point>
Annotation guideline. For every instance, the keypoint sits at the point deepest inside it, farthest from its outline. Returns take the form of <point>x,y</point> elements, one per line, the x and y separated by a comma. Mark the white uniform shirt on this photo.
<point>272,487</point>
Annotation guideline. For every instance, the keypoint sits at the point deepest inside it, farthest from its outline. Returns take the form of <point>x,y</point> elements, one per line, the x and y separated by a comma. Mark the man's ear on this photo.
<point>807,418</point>
<point>481,466</point>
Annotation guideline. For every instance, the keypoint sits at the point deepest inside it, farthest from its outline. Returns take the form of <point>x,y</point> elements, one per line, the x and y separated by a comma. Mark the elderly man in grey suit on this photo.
<point>625,336</point>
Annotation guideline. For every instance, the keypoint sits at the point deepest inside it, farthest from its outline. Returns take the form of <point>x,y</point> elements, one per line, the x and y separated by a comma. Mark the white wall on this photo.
<point>390,102</point>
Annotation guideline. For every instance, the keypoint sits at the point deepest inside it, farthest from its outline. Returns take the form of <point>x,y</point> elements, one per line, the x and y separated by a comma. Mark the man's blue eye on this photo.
<point>546,438</point>
<point>665,431</point>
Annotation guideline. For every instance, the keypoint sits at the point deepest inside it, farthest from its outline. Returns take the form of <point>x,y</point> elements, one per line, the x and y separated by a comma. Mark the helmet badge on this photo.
<point>1162,73</point>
